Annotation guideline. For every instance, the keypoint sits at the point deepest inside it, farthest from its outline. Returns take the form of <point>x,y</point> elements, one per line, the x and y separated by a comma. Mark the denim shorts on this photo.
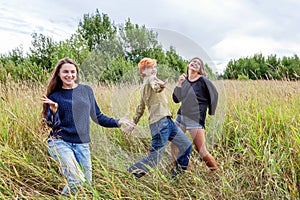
<point>188,123</point>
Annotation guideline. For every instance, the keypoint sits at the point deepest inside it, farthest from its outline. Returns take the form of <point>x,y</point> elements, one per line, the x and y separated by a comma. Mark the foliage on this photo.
<point>242,77</point>
<point>257,67</point>
<point>23,71</point>
<point>42,50</point>
<point>96,29</point>
<point>175,61</point>
<point>136,41</point>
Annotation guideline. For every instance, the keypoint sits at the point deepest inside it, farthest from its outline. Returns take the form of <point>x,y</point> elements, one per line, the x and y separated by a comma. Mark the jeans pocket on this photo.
<point>157,127</point>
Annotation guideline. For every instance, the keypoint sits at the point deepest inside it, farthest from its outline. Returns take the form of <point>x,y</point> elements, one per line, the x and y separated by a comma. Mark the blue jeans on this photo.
<point>75,162</point>
<point>188,123</point>
<point>163,131</point>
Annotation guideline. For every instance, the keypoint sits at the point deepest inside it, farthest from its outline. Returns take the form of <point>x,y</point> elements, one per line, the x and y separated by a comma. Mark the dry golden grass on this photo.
<point>254,137</point>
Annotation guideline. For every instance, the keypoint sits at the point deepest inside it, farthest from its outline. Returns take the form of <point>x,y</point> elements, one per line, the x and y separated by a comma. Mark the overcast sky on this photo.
<point>216,30</point>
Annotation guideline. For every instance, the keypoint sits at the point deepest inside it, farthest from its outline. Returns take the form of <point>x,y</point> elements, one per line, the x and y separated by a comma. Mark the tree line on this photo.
<point>109,52</point>
<point>105,51</point>
<point>259,67</point>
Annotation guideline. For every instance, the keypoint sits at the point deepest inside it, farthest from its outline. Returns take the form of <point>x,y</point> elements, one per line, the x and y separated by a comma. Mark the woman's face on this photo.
<point>68,75</point>
<point>194,65</point>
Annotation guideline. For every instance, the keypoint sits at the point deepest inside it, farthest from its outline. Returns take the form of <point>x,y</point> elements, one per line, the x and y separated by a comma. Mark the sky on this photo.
<point>215,30</point>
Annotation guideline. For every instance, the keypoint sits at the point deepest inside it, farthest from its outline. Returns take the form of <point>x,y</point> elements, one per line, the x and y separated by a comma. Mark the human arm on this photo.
<point>52,117</point>
<point>181,79</point>
<point>101,119</point>
<point>213,96</point>
<point>139,111</point>
<point>157,85</point>
<point>138,114</point>
<point>177,96</point>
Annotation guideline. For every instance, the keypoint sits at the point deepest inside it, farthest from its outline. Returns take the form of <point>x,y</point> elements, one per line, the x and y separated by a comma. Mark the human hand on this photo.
<point>127,130</point>
<point>181,79</point>
<point>161,83</point>
<point>53,105</point>
<point>129,125</point>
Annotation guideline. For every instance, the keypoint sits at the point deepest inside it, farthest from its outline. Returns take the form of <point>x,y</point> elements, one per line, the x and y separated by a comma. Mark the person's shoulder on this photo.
<point>204,78</point>
<point>55,93</point>
<point>85,86</point>
<point>85,89</point>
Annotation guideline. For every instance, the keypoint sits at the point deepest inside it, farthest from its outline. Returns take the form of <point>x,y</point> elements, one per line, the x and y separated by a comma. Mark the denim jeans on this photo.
<point>163,131</point>
<point>75,162</point>
<point>188,123</point>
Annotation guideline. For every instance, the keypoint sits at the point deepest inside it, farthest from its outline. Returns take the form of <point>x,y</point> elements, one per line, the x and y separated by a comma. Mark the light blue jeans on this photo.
<point>75,162</point>
<point>163,131</point>
<point>188,123</point>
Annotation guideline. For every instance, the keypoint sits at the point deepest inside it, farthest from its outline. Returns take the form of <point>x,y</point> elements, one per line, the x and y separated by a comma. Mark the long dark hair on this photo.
<point>55,83</point>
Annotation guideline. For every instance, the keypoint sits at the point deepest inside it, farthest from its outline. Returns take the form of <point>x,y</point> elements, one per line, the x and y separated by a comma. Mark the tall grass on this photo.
<point>254,137</point>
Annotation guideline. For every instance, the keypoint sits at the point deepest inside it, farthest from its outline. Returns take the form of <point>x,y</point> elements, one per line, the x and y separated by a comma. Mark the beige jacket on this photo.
<point>152,97</point>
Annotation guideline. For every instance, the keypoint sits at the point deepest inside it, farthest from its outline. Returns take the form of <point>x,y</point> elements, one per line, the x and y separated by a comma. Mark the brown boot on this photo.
<point>210,162</point>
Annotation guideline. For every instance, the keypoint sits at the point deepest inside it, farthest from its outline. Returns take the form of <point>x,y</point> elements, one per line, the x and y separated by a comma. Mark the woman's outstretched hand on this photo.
<point>53,105</point>
<point>129,125</point>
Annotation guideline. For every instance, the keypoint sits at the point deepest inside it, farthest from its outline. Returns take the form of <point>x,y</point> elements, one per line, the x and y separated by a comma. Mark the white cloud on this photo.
<point>215,30</point>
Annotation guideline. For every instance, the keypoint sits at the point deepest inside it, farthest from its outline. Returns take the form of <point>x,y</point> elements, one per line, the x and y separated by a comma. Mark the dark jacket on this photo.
<point>213,96</point>
<point>213,93</point>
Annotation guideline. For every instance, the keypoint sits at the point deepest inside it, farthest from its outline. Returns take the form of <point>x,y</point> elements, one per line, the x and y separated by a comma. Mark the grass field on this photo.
<point>254,137</point>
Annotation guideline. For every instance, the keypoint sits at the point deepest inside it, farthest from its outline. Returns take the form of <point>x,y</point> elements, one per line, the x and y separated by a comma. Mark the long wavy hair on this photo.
<point>201,69</point>
<point>55,83</point>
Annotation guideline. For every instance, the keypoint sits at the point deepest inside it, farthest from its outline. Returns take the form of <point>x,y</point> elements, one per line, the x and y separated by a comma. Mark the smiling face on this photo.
<point>150,71</point>
<point>147,67</point>
<point>68,75</point>
<point>196,66</point>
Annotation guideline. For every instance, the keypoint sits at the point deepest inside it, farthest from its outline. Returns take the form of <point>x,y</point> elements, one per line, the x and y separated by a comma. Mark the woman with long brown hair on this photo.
<point>197,94</point>
<point>67,109</point>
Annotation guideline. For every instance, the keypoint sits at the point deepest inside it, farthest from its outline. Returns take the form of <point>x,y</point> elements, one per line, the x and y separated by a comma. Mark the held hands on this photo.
<point>129,125</point>
<point>181,79</point>
<point>53,105</point>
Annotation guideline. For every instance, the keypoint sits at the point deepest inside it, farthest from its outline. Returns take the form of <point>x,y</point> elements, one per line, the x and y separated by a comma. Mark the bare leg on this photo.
<point>198,136</point>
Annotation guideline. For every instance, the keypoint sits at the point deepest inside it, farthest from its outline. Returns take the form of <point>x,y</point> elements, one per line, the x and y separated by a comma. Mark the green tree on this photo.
<point>274,67</point>
<point>42,50</point>
<point>99,32</point>
<point>174,61</point>
<point>291,70</point>
<point>74,48</point>
<point>137,41</point>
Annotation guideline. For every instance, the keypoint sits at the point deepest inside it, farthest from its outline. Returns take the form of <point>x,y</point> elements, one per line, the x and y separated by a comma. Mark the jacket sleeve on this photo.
<point>139,111</point>
<point>176,96</point>
<point>213,94</point>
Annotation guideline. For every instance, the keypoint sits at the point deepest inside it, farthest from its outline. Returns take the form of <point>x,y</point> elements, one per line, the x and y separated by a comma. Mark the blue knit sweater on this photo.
<point>71,122</point>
